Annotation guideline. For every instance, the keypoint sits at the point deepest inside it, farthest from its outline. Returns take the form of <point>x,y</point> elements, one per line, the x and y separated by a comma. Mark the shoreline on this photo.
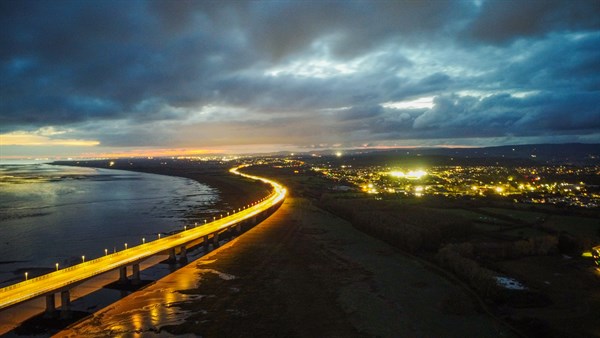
<point>233,191</point>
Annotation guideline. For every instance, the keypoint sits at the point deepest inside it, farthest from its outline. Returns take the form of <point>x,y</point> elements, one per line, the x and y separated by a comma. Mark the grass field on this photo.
<point>475,216</point>
<point>572,285</point>
<point>524,216</point>
<point>579,226</point>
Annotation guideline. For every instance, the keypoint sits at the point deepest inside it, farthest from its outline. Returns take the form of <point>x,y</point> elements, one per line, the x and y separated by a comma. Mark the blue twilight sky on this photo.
<point>83,78</point>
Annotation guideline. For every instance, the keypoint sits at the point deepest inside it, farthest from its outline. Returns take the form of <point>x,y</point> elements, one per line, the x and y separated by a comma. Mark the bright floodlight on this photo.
<point>411,175</point>
<point>416,174</point>
<point>397,174</point>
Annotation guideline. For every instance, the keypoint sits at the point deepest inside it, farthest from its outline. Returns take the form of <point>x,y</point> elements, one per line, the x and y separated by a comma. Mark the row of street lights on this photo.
<point>56,264</point>
<point>159,235</point>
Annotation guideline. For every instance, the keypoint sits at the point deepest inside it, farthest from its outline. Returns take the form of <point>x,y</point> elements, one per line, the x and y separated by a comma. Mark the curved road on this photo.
<point>71,276</point>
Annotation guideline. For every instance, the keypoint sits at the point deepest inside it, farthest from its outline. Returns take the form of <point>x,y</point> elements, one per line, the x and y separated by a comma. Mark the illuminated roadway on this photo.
<point>66,278</point>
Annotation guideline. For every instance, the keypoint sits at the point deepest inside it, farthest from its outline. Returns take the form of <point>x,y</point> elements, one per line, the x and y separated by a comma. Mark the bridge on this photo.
<point>61,281</point>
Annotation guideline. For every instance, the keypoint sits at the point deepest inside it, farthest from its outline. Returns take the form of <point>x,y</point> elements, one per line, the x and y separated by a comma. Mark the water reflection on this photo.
<point>145,312</point>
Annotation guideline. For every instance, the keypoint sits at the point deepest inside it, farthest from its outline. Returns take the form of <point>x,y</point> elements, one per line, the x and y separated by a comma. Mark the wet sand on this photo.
<point>301,273</point>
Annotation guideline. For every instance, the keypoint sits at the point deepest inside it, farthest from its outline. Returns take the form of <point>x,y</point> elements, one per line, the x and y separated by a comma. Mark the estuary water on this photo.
<point>56,214</point>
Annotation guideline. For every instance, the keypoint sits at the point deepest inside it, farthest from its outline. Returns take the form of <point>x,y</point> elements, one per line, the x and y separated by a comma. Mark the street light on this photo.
<point>125,246</point>
<point>204,221</point>
<point>159,236</point>
<point>26,274</point>
<point>56,266</point>
<point>82,259</point>
<point>184,227</point>
<point>143,240</point>
<point>105,252</point>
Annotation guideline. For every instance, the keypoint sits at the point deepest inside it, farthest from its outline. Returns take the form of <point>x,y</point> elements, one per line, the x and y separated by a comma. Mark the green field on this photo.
<point>524,216</point>
<point>474,216</point>
<point>575,225</point>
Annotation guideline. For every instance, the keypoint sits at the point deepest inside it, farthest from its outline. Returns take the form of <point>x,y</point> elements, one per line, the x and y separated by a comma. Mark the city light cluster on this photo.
<point>545,184</point>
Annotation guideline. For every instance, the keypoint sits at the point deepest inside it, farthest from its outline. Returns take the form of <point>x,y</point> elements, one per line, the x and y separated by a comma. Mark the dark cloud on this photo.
<point>233,72</point>
<point>502,21</point>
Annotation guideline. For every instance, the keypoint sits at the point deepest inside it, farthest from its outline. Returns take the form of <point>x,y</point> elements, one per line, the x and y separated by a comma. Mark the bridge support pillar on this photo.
<point>216,240</point>
<point>172,256</point>
<point>50,306</point>
<point>135,280</point>
<point>65,307</point>
<point>205,243</point>
<point>183,254</point>
<point>123,274</point>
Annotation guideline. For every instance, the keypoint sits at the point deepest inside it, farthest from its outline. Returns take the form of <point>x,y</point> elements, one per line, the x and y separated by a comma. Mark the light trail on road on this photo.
<point>64,279</point>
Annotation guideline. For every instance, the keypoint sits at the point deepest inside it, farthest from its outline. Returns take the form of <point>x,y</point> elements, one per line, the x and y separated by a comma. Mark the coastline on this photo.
<point>233,191</point>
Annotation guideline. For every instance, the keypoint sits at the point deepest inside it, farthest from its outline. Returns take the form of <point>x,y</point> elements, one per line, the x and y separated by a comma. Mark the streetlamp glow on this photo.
<point>26,274</point>
<point>125,246</point>
<point>143,240</point>
<point>56,266</point>
<point>105,252</point>
<point>159,236</point>
<point>82,259</point>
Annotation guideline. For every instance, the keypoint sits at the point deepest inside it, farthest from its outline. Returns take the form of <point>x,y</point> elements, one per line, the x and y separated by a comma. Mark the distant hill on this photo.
<point>533,154</point>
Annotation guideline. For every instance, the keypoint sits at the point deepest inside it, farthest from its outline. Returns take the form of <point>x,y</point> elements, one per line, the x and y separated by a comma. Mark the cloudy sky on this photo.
<point>84,78</point>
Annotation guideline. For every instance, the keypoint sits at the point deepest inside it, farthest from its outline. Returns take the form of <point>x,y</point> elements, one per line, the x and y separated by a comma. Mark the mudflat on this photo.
<point>300,273</point>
